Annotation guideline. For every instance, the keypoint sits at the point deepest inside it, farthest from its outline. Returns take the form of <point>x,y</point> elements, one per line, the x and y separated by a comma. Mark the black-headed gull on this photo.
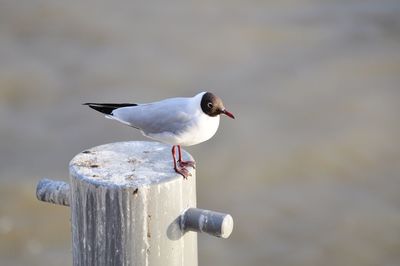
<point>176,121</point>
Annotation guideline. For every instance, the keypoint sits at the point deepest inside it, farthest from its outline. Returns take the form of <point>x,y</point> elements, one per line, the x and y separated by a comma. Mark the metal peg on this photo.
<point>57,192</point>
<point>210,222</point>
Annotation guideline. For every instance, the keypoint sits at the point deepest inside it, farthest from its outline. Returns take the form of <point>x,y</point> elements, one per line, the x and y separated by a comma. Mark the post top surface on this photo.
<point>128,164</point>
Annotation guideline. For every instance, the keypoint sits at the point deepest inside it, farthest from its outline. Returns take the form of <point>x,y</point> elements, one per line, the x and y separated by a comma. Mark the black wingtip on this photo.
<point>108,108</point>
<point>102,109</point>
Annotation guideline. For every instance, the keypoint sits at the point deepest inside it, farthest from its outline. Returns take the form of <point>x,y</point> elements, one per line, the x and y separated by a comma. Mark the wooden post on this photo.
<point>129,207</point>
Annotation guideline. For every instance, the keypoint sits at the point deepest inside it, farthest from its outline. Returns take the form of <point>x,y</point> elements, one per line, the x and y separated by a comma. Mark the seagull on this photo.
<point>182,121</point>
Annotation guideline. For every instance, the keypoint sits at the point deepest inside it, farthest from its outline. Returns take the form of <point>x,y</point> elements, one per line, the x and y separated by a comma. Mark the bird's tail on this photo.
<point>107,108</point>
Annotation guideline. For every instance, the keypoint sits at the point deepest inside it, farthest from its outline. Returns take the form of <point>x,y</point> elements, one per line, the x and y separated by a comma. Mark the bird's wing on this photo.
<point>171,115</point>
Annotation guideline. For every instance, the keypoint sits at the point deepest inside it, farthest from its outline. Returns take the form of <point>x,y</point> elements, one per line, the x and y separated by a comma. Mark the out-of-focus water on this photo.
<point>309,169</point>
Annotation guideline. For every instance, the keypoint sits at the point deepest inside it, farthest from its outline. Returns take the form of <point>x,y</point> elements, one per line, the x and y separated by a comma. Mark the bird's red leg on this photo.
<point>183,171</point>
<point>183,163</point>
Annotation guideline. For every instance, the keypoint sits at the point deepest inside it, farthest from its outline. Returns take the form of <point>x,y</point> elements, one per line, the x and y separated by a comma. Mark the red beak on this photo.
<point>226,112</point>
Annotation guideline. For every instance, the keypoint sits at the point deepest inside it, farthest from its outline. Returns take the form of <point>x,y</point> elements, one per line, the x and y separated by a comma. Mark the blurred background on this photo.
<point>309,169</point>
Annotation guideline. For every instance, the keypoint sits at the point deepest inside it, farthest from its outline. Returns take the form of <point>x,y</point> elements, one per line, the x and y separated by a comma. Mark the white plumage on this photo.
<point>175,121</point>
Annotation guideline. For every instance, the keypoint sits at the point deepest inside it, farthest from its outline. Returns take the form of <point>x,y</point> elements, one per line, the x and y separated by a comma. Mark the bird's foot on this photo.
<point>187,163</point>
<point>183,171</point>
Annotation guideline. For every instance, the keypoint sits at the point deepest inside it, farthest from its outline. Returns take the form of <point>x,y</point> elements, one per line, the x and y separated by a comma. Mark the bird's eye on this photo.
<point>210,105</point>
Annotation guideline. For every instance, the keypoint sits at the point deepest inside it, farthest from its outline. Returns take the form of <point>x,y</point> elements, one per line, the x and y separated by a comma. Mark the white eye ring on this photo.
<point>210,105</point>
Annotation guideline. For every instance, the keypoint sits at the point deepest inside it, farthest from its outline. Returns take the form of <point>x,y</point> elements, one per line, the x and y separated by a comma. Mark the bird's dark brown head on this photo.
<point>212,105</point>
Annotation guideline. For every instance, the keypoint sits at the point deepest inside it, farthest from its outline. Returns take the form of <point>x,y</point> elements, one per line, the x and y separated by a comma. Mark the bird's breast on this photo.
<point>200,130</point>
